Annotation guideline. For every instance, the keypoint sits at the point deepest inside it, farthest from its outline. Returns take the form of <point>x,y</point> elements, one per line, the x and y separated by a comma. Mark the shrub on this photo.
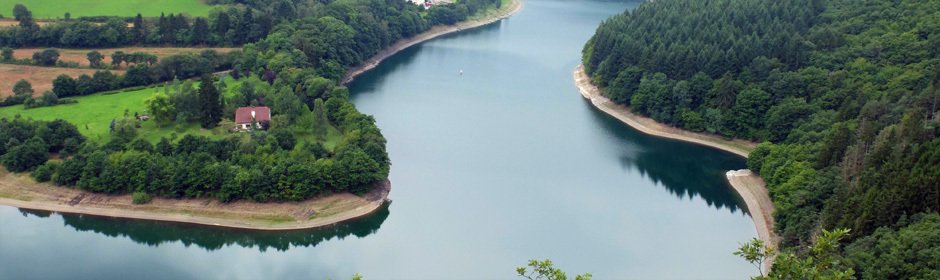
<point>44,172</point>
<point>22,87</point>
<point>6,54</point>
<point>46,57</point>
<point>25,157</point>
<point>141,198</point>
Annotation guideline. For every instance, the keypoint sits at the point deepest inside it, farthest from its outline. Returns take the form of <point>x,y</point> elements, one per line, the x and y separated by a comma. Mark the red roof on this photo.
<point>243,114</point>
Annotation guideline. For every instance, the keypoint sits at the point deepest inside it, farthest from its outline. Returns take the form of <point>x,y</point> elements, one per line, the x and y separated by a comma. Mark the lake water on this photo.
<point>491,168</point>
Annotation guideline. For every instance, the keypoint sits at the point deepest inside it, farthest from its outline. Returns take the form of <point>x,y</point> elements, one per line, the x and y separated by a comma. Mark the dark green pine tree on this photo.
<point>162,27</point>
<point>139,30</point>
<point>200,31</point>
<point>210,102</point>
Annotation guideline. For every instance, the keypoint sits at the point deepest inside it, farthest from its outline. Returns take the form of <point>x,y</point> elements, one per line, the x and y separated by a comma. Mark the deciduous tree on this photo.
<point>94,59</point>
<point>161,109</point>
<point>46,57</point>
<point>64,86</point>
<point>22,87</point>
<point>538,270</point>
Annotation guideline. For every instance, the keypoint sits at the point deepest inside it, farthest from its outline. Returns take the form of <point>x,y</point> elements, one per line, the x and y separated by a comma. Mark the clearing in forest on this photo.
<point>92,116</point>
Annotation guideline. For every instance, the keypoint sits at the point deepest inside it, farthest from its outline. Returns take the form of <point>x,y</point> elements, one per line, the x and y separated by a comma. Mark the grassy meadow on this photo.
<point>92,116</point>
<point>51,9</point>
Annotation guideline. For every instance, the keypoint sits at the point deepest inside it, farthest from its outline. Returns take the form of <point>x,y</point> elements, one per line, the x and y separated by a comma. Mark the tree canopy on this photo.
<point>844,93</point>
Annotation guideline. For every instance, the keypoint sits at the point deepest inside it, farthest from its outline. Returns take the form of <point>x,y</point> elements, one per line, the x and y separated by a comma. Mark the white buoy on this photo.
<point>461,72</point>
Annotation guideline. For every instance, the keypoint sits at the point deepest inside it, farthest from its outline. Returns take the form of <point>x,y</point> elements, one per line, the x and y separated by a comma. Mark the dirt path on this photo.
<point>748,185</point>
<point>19,190</point>
<point>503,12</point>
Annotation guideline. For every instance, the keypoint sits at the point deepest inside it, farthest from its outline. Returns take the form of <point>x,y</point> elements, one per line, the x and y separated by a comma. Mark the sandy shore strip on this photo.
<point>748,185</point>
<point>19,190</point>
<point>651,126</point>
<point>503,12</point>
<point>753,190</point>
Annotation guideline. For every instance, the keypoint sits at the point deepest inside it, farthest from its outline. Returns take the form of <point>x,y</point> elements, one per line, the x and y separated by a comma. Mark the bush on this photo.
<point>22,87</point>
<point>46,57</point>
<point>25,157</point>
<point>141,198</point>
<point>6,54</point>
<point>44,172</point>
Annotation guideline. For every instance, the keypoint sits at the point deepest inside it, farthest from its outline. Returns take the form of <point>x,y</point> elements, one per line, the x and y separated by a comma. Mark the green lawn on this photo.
<point>50,9</point>
<point>92,116</point>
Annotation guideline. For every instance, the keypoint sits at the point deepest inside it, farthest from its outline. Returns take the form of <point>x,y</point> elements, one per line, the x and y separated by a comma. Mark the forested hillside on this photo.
<point>845,94</point>
<point>295,70</point>
<point>234,23</point>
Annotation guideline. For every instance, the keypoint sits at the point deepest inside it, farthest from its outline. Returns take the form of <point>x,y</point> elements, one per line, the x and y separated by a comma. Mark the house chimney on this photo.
<point>253,114</point>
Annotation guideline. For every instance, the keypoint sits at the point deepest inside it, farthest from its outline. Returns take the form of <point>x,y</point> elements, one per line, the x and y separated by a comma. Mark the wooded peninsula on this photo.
<point>301,137</point>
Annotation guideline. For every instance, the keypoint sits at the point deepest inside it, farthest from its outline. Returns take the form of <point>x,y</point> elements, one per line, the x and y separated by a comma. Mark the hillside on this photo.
<point>845,95</point>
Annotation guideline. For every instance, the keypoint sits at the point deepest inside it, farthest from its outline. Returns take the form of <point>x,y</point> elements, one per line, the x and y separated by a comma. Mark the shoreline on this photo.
<point>752,188</point>
<point>494,16</point>
<point>748,185</point>
<point>20,191</point>
<point>652,127</point>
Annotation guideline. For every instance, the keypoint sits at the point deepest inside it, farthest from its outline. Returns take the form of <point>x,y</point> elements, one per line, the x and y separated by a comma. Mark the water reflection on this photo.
<point>685,170</point>
<point>155,233</point>
<point>405,58</point>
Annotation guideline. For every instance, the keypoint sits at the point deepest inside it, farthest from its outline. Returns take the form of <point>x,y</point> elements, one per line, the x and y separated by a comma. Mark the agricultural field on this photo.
<point>92,116</point>
<point>50,9</point>
<point>9,21</point>
<point>93,113</point>
<point>39,77</point>
<point>80,56</point>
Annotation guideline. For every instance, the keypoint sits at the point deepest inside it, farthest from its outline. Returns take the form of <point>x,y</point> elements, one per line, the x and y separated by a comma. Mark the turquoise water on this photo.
<point>489,169</point>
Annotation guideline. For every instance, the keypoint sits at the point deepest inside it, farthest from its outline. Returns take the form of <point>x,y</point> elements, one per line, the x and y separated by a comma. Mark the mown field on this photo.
<point>80,56</point>
<point>93,114</point>
<point>39,77</point>
<point>47,9</point>
<point>8,21</point>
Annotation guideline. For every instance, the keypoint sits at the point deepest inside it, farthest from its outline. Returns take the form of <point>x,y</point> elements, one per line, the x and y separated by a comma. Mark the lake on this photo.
<point>490,168</point>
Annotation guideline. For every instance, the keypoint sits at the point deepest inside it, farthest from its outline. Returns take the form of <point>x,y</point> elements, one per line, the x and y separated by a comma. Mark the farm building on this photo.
<point>428,3</point>
<point>245,116</point>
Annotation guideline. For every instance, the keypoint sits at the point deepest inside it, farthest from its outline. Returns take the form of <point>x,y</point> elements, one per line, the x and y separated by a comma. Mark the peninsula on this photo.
<point>291,192</point>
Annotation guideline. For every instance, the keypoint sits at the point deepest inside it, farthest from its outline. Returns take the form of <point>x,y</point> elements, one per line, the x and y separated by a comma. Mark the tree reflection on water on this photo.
<point>154,233</point>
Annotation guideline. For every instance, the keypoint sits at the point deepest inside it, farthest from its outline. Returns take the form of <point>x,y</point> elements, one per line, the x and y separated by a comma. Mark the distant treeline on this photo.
<point>233,25</point>
<point>845,92</point>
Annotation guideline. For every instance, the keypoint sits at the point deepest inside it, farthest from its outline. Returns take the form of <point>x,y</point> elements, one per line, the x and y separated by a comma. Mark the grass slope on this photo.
<point>49,9</point>
<point>93,114</point>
